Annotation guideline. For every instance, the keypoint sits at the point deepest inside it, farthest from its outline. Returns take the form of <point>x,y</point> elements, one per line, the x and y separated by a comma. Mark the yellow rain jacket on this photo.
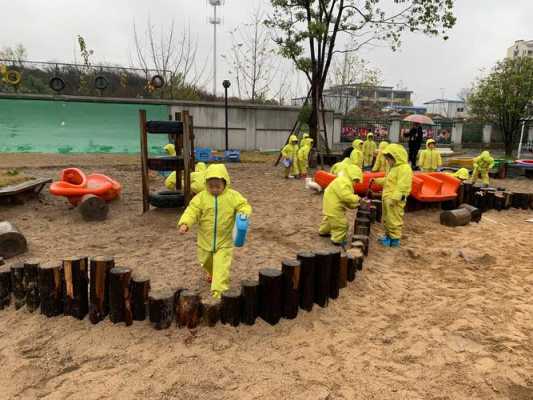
<point>303,155</point>
<point>170,149</point>
<point>215,216</point>
<point>461,174</point>
<point>482,165</point>
<point>306,140</point>
<point>396,189</point>
<point>429,159</point>
<point>338,167</point>
<point>338,196</point>
<point>357,153</point>
<point>290,152</point>
<point>381,164</point>
<point>369,148</point>
<point>197,179</point>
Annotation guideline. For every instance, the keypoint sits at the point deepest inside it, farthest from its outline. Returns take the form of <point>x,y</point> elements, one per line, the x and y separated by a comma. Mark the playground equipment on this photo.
<point>20,192</point>
<point>9,76</point>
<point>181,132</point>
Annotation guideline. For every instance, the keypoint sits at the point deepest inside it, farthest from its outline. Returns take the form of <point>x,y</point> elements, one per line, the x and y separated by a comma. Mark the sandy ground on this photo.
<point>447,316</point>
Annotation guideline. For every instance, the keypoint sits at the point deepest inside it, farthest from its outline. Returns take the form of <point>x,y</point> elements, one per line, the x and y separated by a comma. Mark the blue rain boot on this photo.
<point>394,243</point>
<point>385,241</point>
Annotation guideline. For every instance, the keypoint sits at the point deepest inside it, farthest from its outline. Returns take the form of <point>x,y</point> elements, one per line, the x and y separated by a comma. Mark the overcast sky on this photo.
<point>428,66</point>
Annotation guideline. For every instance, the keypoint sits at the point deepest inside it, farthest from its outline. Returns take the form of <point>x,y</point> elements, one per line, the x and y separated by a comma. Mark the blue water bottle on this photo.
<point>240,230</point>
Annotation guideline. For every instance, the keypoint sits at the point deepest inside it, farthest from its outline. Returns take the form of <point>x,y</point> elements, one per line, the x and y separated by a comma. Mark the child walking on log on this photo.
<point>214,210</point>
<point>482,165</point>
<point>339,196</point>
<point>396,189</point>
<point>290,157</point>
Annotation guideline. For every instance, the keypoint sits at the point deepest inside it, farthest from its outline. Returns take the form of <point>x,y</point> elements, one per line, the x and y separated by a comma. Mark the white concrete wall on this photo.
<point>250,127</point>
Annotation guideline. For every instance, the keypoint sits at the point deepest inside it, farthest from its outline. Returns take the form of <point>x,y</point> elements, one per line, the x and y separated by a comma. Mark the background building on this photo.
<point>447,108</point>
<point>521,48</point>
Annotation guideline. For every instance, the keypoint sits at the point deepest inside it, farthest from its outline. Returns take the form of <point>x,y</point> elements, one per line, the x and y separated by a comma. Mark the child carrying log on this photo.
<point>214,210</point>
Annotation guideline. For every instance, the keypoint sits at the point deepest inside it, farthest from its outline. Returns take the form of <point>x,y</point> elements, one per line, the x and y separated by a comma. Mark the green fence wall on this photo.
<point>57,126</point>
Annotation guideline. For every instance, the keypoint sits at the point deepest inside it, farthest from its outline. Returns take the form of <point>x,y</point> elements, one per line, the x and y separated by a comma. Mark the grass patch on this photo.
<point>12,177</point>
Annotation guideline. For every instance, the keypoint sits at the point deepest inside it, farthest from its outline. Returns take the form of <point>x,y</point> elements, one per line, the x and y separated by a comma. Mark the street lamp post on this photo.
<point>226,85</point>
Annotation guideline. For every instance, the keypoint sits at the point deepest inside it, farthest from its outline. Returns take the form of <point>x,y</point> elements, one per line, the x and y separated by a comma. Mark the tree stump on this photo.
<point>210,311</point>
<point>489,197</point>
<point>12,242</point>
<point>291,283</point>
<point>379,209</point>
<point>51,289</point>
<point>335,272</point>
<point>119,296</point>
<point>365,240</point>
<point>5,287</point>
<point>140,290</point>
<point>307,281</point>
<point>362,226</point>
<point>189,309</point>
<point>508,198</point>
<point>468,192</point>
<point>343,271</point>
<point>322,277</point>
<point>99,291</point>
<point>75,297</point>
<point>162,308</point>
<point>358,258</point>
<point>459,217</point>
<point>499,201</point>
<point>520,200</point>
<point>17,285</point>
<point>475,213</point>
<point>351,268</point>
<point>364,213</point>
<point>31,284</point>
<point>250,301</point>
<point>270,292</point>
<point>93,208</point>
<point>230,308</point>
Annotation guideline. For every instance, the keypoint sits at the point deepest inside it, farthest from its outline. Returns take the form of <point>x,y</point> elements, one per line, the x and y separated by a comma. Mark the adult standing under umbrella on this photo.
<point>416,135</point>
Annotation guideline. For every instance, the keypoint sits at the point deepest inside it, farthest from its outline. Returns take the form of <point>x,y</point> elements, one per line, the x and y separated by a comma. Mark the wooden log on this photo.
<point>364,213</point>
<point>322,277</point>
<point>189,309</point>
<point>335,272</point>
<point>460,195</point>
<point>489,197</point>
<point>499,201</point>
<point>250,301</point>
<point>508,199</point>
<point>51,289</point>
<point>75,287</point>
<point>362,226</point>
<point>379,209</point>
<point>459,217</point>
<point>140,290</point>
<point>291,283</point>
<point>31,284</point>
<point>230,308</point>
<point>366,241</point>
<point>343,271</point>
<point>475,213</point>
<point>12,242</point>
<point>119,296</point>
<point>270,292</point>
<point>520,200</point>
<point>5,287</point>
<point>210,311</point>
<point>99,290</point>
<point>93,208</point>
<point>480,201</point>
<point>307,281</point>
<point>162,308</point>
<point>468,193</point>
<point>17,285</point>
<point>358,258</point>
<point>351,268</point>
<point>531,201</point>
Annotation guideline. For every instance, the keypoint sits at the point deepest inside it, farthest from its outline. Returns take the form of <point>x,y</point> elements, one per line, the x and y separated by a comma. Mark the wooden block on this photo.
<point>365,240</point>
<point>189,309</point>
<point>475,213</point>
<point>12,242</point>
<point>230,308</point>
<point>307,284</point>
<point>291,283</point>
<point>459,217</point>
<point>335,272</point>
<point>17,285</point>
<point>351,268</point>
<point>51,289</point>
<point>210,311</point>
<point>343,271</point>
<point>5,287</point>
<point>250,301</point>
<point>161,308</point>
<point>322,277</point>
<point>93,208</point>
<point>99,289</point>
<point>31,284</point>
<point>140,291</point>
<point>270,295</point>
<point>75,287</point>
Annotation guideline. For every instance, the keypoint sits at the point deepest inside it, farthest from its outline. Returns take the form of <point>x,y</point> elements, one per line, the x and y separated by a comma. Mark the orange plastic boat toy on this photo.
<point>74,184</point>
<point>429,187</point>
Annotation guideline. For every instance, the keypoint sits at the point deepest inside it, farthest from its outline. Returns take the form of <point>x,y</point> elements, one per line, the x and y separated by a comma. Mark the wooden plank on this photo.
<point>144,160</point>
<point>186,156</point>
<point>27,186</point>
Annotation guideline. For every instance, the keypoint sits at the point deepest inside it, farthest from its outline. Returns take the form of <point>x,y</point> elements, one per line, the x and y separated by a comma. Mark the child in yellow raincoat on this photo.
<point>338,167</point>
<point>214,210</point>
<point>197,179</point>
<point>357,153</point>
<point>396,189</point>
<point>290,155</point>
<point>429,159</point>
<point>482,165</point>
<point>170,149</point>
<point>461,173</point>
<point>306,140</point>
<point>303,155</point>
<point>338,196</point>
<point>380,165</point>
<point>369,148</point>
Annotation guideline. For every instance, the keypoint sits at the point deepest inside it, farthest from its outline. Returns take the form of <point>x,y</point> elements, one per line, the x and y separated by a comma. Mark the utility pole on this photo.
<point>215,21</point>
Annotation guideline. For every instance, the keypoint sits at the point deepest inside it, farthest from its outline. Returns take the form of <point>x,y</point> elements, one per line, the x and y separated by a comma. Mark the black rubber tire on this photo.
<point>101,82</point>
<point>167,199</point>
<point>157,81</point>
<point>57,84</point>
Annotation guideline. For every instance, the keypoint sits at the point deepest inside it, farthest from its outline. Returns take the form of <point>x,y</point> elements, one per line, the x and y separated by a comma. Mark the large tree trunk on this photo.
<point>314,129</point>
